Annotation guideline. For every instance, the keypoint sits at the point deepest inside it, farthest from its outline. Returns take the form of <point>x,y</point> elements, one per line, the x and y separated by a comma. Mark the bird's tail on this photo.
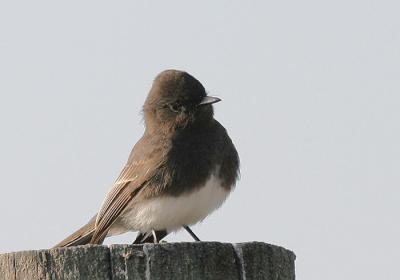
<point>80,237</point>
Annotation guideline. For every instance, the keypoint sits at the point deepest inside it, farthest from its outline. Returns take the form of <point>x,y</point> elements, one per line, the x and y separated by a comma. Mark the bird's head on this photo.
<point>177,100</point>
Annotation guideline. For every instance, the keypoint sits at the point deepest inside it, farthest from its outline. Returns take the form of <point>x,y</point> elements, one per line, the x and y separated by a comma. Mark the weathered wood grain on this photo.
<point>198,260</point>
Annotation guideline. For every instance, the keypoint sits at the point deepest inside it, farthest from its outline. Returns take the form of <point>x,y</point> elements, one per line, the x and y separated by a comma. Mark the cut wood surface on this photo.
<point>198,260</point>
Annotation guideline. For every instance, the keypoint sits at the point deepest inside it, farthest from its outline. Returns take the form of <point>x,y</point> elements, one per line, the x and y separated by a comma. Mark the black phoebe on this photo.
<point>181,170</point>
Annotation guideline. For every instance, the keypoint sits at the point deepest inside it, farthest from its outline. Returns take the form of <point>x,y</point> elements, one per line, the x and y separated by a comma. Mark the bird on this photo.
<point>183,167</point>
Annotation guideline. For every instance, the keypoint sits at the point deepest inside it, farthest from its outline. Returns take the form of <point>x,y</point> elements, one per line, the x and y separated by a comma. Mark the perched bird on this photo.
<point>182,169</point>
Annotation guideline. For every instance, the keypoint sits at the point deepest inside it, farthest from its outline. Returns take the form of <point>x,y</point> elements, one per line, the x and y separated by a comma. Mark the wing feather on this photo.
<point>132,178</point>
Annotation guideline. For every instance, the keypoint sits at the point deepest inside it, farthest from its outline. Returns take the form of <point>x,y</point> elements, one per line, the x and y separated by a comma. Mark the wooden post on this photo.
<point>198,260</point>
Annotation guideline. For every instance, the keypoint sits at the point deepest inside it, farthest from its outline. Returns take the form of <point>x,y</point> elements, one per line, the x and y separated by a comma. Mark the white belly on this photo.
<point>171,212</point>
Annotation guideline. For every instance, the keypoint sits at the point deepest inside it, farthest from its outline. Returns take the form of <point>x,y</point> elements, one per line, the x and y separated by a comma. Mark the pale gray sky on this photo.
<point>311,98</point>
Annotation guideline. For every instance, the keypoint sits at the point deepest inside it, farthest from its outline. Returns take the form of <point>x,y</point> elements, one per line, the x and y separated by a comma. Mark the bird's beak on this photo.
<point>209,100</point>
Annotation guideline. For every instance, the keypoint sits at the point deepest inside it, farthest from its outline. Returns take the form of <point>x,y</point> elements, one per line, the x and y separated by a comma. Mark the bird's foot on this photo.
<point>155,239</point>
<point>191,233</point>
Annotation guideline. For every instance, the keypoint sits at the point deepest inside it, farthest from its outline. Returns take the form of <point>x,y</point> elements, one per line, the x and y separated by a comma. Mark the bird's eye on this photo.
<point>175,107</point>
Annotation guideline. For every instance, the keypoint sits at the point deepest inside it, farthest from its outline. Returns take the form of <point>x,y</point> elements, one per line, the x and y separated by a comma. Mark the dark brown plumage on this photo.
<point>182,147</point>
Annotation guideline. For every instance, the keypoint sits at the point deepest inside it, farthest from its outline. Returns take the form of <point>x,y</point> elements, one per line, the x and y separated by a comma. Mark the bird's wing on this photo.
<point>131,180</point>
<point>80,237</point>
